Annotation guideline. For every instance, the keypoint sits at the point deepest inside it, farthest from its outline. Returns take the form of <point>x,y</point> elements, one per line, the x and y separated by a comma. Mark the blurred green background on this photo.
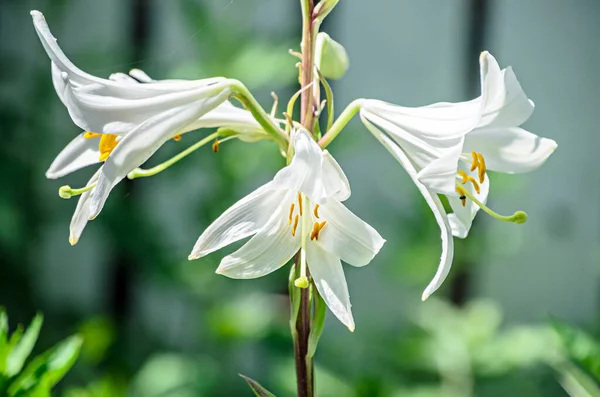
<point>155,324</point>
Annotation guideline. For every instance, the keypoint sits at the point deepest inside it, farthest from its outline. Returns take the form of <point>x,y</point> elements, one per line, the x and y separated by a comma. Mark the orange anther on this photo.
<point>300,203</point>
<point>215,146</point>
<point>291,213</point>
<point>462,196</point>
<point>177,138</point>
<point>482,167</point>
<point>295,225</point>
<point>475,162</point>
<point>89,135</point>
<point>316,211</point>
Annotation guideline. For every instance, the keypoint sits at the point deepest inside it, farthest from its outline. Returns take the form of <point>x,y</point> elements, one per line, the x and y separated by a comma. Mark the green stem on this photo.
<point>141,173</point>
<point>351,110</point>
<point>518,217</point>
<point>261,116</point>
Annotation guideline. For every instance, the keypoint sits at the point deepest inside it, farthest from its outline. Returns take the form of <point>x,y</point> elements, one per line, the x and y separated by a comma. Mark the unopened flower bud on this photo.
<point>331,57</point>
<point>301,282</point>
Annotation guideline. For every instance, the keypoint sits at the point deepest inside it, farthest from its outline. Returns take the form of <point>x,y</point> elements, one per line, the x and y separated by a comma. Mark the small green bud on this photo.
<point>65,192</point>
<point>331,57</point>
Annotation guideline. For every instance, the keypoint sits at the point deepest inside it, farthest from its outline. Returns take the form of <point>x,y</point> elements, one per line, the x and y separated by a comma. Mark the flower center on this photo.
<point>106,145</point>
<point>294,218</point>
<point>478,163</point>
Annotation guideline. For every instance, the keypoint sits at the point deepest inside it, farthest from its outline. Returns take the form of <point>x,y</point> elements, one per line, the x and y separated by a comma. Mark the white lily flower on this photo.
<point>91,148</point>
<point>299,210</point>
<point>447,148</point>
<point>145,115</point>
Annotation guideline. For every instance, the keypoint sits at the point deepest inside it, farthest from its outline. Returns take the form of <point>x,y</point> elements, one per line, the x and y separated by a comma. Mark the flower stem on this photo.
<point>261,116</point>
<point>304,364</point>
<point>351,110</point>
<point>140,173</point>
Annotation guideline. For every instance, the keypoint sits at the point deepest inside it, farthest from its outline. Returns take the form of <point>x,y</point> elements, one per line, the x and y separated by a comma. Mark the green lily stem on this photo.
<point>351,110</point>
<point>141,173</point>
<point>262,117</point>
<point>518,217</point>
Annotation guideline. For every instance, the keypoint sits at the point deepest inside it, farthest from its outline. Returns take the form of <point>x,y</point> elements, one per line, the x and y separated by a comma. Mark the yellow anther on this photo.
<point>89,135</point>
<point>464,176</point>
<point>295,225</point>
<point>215,146</point>
<point>462,196</point>
<point>316,211</point>
<point>300,203</point>
<point>475,163</point>
<point>482,167</point>
<point>291,213</point>
<point>107,144</point>
<point>315,231</point>
<point>177,138</point>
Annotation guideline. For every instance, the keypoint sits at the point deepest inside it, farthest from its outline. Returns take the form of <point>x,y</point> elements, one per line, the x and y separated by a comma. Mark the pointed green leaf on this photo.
<point>259,391</point>
<point>12,342</point>
<point>3,327</point>
<point>17,356</point>
<point>48,368</point>
<point>317,323</point>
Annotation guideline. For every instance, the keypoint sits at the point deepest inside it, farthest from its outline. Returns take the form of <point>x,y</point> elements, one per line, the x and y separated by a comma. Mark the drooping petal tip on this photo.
<point>73,240</point>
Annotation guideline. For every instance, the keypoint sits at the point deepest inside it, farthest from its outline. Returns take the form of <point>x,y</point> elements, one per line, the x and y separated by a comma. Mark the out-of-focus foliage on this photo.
<point>22,376</point>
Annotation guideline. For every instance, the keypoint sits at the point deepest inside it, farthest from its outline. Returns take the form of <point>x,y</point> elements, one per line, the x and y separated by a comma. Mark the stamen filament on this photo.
<point>518,217</point>
<point>141,173</point>
<point>67,192</point>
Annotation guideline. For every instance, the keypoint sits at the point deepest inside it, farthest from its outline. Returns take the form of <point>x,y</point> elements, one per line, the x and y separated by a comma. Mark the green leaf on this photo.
<point>256,387</point>
<point>577,383</point>
<point>318,321</point>
<point>579,347</point>
<point>18,355</point>
<point>47,369</point>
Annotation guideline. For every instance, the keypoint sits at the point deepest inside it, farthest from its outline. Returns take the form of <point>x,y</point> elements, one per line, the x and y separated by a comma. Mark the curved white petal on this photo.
<point>79,153</point>
<point>82,211</point>
<point>109,106</point>
<point>510,150</point>
<point>137,146</point>
<point>225,115</point>
<point>241,220</point>
<point>347,236</point>
<point>334,180</point>
<point>439,175</point>
<point>462,218</point>
<point>505,102</point>
<point>304,174</point>
<point>434,203</point>
<point>272,247</point>
<point>328,276</point>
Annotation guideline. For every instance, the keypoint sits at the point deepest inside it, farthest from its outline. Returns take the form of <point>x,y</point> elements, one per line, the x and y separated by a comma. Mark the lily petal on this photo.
<point>82,211</point>
<point>79,153</point>
<point>439,175</point>
<point>462,218</point>
<point>505,104</point>
<point>304,174</point>
<point>347,236</point>
<point>434,204</point>
<point>334,180</point>
<point>137,146</point>
<point>328,276</point>
<point>272,247</point>
<point>510,150</point>
<point>115,107</point>
<point>241,220</point>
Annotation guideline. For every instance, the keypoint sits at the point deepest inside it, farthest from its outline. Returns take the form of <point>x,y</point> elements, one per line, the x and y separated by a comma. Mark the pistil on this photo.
<point>518,217</point>
<point>67,192</point>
